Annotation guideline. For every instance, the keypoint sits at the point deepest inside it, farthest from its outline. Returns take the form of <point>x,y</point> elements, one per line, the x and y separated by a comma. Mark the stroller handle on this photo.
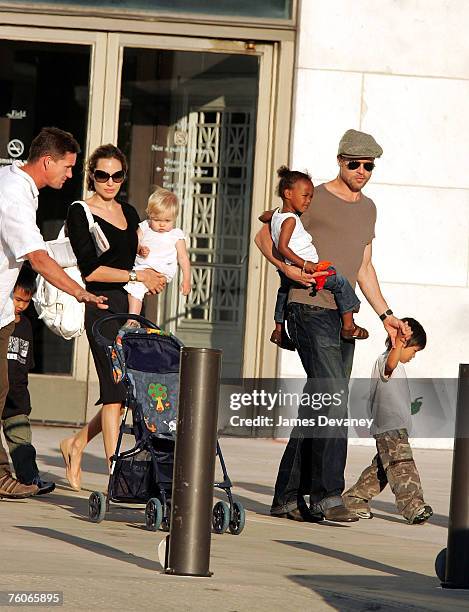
<point>97,325</point>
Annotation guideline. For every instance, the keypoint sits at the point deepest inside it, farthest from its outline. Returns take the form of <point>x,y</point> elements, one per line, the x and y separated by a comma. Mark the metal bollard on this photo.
<point>194,462</point>
<point>452,563</point>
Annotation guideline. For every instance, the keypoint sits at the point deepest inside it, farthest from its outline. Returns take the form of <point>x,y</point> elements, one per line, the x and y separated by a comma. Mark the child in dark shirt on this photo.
<point>15,421</point>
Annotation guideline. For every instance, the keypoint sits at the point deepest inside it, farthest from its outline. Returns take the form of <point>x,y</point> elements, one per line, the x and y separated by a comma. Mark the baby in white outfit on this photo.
<point>161,246</point>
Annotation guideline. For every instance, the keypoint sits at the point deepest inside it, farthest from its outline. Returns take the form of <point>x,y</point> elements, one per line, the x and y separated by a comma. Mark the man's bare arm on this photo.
<point>368,282</point>
<point>266,246</point>
<point>52,272</point>
<point>264,243</point>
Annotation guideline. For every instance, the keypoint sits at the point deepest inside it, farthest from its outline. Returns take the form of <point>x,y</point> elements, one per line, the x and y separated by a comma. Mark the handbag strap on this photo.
<point>86,208</point>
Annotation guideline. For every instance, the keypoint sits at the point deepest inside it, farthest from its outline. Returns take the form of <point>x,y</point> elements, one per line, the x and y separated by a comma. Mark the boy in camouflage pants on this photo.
<point>390,408</point>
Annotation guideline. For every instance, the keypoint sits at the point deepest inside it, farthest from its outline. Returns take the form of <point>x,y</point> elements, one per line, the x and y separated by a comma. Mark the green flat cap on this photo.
<point>359,144</point>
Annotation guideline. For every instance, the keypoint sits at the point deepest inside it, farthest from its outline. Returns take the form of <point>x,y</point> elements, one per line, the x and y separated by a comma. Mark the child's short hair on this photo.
<point>288,178</point>
<point>418,337</point>
<point>26,280</point>
<point>163,201</point>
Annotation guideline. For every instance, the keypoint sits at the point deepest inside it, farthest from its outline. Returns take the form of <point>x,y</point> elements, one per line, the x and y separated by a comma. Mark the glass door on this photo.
<point>194,116</point>
<point>187,120</point>
<point>46,82</point>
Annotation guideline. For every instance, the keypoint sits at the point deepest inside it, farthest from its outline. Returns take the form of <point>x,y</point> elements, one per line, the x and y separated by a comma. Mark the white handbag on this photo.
<point>61,249</point>
<point>58,310</point>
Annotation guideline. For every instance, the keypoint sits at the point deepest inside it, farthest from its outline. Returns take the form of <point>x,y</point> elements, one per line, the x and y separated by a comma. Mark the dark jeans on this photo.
<point>314,462</point>
<point>344,295</point>
<point>282,296</point>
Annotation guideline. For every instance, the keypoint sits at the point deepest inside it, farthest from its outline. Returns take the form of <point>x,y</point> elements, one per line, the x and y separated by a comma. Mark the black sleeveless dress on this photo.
<point>121,255</point>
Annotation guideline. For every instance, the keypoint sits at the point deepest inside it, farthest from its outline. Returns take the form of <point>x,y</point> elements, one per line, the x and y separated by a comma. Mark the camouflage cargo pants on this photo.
<point>393,464</point>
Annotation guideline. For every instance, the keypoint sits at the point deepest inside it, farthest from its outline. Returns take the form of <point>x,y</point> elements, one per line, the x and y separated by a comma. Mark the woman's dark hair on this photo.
<point>26,279</point>
<point>288,178</point>
<point>54,142</point>
<point>418,337</point>
<point>107,151</point>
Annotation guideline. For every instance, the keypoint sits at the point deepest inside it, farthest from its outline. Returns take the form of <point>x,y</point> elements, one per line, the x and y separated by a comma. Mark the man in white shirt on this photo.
<point>52,155</point>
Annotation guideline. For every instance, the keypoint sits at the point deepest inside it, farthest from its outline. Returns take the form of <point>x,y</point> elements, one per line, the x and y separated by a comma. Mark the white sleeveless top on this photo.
<point>163,254</point>
<point>300,243</point>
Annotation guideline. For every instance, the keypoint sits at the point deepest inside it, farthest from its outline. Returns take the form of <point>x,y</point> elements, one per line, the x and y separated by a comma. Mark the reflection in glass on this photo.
<point>38,88</point>
<point>187,123</point>
<point>274,9</point>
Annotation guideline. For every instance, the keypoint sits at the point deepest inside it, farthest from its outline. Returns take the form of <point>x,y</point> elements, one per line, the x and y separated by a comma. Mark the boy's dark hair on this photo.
<point>54,142</point>
<point>418,337</point>
<point>288,178</point>
<point>26,280</point>
<point>107,151</point>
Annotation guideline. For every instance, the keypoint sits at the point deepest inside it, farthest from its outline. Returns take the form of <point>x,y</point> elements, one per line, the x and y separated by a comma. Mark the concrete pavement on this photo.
<point>48,544</point>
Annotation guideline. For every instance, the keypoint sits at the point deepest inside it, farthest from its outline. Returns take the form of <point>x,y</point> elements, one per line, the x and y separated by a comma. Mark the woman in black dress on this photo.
<point>106,275</point>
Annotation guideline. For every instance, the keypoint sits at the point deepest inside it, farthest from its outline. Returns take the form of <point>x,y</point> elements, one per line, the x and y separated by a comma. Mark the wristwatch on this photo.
<point>132,276</point>
<point>388,313</point>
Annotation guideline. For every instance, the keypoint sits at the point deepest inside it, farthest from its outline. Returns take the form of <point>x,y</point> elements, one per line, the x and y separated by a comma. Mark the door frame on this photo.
<point>73,387</point>
<point>272,149</point>
<point>276,48</point>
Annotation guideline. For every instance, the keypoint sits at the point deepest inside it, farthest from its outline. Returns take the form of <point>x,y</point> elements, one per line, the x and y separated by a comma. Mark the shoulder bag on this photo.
<point>58,310</point>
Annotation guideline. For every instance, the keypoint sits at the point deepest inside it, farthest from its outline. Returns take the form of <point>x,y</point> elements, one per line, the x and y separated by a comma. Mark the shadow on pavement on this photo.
<point>367,593</point>
<point>132,515</point>
<point>73,503</point>
<point>347,557</point>
<point>94,547</point>
<point>78,507</point>
<point>411,590</point>
<point>89,462</point>
<point>437,519</point>
<point>248,504</point>
<point>255,488</point>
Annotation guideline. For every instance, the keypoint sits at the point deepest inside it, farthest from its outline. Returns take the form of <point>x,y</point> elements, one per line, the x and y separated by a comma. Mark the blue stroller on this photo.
<point>146,360</point>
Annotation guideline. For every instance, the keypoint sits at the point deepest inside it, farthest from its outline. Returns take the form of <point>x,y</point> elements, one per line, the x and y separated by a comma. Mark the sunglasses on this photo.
<point>102,177</point>
<point>354,165</point>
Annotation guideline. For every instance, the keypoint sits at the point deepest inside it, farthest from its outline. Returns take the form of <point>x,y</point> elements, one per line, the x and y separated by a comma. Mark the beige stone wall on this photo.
<point>398,69</point>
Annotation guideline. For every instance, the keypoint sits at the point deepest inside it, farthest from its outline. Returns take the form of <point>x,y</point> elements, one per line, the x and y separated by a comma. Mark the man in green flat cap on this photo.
<point>341,220</point>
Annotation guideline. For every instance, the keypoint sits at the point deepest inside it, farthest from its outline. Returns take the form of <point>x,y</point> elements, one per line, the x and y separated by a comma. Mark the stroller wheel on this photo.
<point>220,517</point>
<point>238,519</point>
<point>153,514</point>
<point>96,506</point>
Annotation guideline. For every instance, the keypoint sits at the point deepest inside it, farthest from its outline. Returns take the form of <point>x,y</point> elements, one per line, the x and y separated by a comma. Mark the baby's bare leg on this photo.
<point>135,305</point>
<point>135,308</point>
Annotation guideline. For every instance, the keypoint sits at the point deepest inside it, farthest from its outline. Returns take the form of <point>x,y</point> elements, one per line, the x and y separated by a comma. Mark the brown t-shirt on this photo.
<point>340,231</point>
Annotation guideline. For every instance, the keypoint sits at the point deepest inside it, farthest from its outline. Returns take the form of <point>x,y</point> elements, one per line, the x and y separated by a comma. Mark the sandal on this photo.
<point>355,333</point>
<point>131,323</point>
<point>74,480</point>
<point>282,340</point>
